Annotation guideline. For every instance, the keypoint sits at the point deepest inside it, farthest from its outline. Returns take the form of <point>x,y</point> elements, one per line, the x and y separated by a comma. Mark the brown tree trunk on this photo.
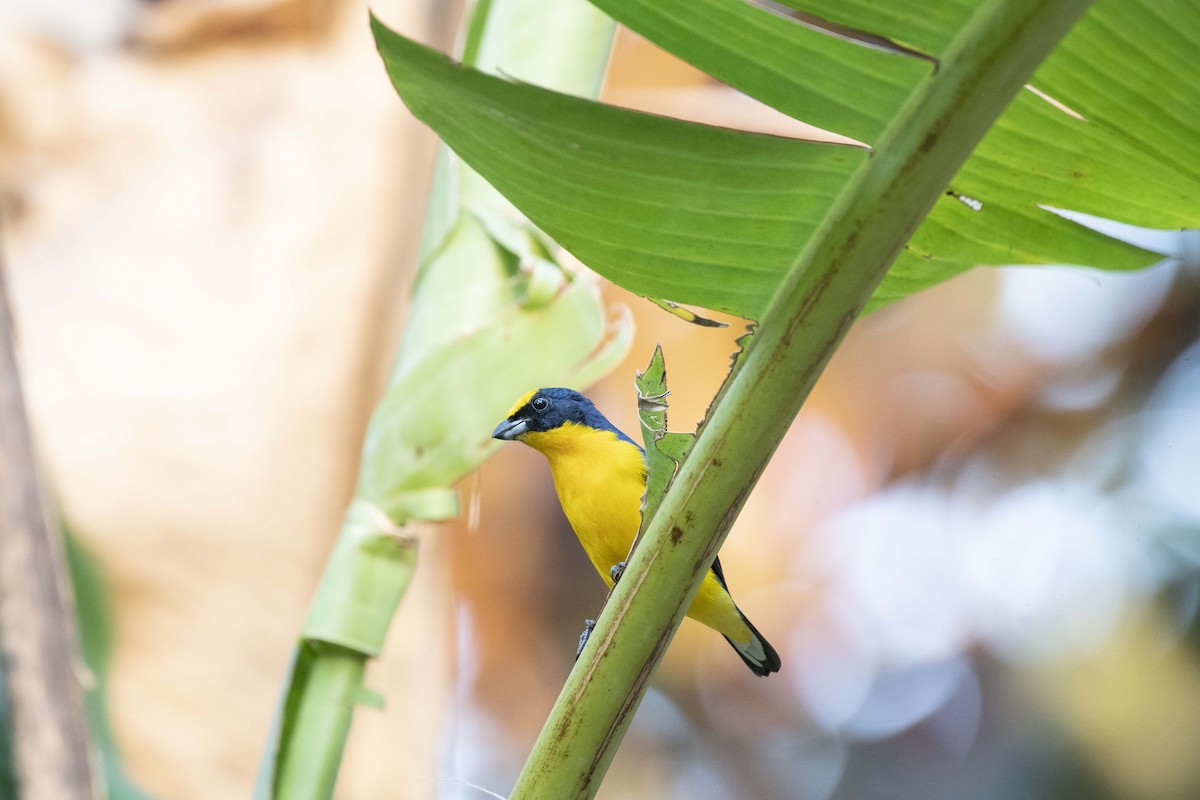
<point>38,637</point>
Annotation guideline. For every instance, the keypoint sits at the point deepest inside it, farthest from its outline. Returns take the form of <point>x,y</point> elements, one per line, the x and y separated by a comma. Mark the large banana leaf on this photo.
<point>632,195</point>
<point>799,234</point>
<point>714,217</point>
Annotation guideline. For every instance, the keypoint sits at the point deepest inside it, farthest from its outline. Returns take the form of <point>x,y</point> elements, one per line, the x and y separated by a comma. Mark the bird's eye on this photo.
<point>539,403</point>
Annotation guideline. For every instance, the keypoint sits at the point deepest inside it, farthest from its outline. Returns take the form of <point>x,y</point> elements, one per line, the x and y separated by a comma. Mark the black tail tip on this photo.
<point>770,664</point>
<point>761,664</point>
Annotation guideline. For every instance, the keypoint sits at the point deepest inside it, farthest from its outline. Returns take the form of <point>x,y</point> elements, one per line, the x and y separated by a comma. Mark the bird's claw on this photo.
<point>588,626</point>
<point>616,571</point>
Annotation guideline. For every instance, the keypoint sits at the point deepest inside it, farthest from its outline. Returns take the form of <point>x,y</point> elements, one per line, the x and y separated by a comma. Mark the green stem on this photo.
<point>308,769</point>
<point>374,559</point>
<point>821,296</point>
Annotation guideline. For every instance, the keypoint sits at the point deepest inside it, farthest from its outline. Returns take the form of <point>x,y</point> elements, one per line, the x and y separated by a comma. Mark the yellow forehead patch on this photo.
<point>525,398</point>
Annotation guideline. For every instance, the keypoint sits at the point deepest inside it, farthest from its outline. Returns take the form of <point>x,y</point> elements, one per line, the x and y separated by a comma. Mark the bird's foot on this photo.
<point>616,571</point>
<point>588,626</point>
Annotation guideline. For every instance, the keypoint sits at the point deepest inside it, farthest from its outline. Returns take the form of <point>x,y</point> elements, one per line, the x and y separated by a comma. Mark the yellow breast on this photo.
<point>600,480</point>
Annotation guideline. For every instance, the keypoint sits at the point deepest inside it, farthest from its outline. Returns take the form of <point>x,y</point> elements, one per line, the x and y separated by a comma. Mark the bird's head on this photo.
<point>545,410</point>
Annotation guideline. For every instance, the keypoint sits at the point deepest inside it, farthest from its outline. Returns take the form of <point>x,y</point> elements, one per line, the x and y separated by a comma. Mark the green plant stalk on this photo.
<point>374,559</point>
<point>823,293</point>
<point>336,678</point>
<point>367,575</point>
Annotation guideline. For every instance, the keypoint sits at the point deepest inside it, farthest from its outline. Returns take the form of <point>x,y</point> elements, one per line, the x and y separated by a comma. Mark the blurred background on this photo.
<point>976,551</point>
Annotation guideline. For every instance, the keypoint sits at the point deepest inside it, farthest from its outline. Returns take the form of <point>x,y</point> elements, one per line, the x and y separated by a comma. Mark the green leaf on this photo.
<point>713,218</point>
<point>695,214</point>
<point>1132,68</point>
<point>779,62</point>
<point>1127,162</point>
<point>664,451</point>
<point>919,24</point>
<point>434,425</point>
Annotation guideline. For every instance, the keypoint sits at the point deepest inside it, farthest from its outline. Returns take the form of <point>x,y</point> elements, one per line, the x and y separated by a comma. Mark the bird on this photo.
<point>600,476</point>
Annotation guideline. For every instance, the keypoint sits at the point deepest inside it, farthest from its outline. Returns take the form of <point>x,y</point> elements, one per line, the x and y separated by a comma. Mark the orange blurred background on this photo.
<point>974,550</point>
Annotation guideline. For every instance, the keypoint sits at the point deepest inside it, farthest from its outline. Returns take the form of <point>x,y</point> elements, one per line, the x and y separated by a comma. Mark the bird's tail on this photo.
<point>758,654</point>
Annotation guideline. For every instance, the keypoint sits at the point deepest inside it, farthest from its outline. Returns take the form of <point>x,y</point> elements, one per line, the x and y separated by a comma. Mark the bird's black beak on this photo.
<point>510,429</point>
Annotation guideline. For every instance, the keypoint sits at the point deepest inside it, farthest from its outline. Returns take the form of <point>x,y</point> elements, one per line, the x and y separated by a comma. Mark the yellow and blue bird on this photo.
<point>600,476</point>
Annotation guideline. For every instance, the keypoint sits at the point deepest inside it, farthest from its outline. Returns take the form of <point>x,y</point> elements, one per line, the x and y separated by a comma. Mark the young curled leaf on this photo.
<point>664,451</point>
